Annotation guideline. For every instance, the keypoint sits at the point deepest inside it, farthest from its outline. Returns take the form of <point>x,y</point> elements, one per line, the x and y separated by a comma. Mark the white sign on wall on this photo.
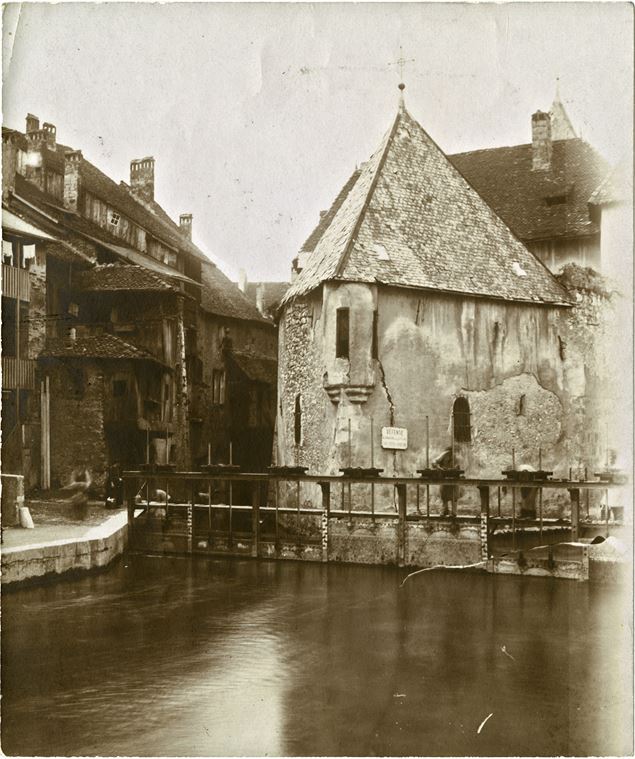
<point>394,438</point>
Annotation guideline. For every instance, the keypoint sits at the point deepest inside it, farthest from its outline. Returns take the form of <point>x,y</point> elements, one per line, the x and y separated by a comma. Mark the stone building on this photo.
<point>117,358</point>
<point>414,306</point>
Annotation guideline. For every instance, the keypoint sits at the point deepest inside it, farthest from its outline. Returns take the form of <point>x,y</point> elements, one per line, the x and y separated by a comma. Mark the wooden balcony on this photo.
<point>18,373</point>
<point>16,283</point>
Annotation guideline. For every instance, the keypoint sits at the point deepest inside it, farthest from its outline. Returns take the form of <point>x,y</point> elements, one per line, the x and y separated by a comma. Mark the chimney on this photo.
<point>32,123</point>
<point>72,161</point>
<point>49,135</point>
<point>260,297</point>
<point>142,177</point>
<point>185,222</point>
<point>242,280</point>
<point>541,141</point>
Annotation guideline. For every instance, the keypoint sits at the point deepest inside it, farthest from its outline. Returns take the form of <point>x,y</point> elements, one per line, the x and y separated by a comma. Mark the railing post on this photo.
<point>575,513</point>
<point>326,513</point>
<point>190,517</point>
<point>130,504</point>
<point>255,519</point>
<point>400,491</point>
<point>484,531</point>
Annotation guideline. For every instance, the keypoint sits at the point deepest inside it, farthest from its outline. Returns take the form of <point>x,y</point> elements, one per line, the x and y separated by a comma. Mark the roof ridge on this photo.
<point>369,195</point>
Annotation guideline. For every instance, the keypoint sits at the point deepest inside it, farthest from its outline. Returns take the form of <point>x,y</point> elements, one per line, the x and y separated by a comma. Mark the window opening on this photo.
<point>297,418</point>
<point>342,333</point>
<point>375,343</point>
<point>461,420</point>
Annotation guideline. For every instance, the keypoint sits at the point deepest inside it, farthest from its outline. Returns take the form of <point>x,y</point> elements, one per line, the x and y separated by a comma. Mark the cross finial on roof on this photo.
<point>401,62</point>
<point>557,88</point>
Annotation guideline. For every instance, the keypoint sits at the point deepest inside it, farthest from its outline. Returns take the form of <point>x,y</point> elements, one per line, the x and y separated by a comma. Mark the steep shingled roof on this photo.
<point>412,220</point>
<point>119,277</point>
<point>524,198</point>
<point>221,296</point>
<point>99,347</point>
<point>150,216</point>
<point>616,187</point>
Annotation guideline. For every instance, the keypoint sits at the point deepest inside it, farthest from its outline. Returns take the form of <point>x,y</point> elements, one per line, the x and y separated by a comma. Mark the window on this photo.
<point>341,334</point>
<point>9,327</point>
<point>119,388</point>
<point>375,340</point>
<point>556,200</point>
<point>461,420</point>
<point>297,419</point>
<point>113,218</point>
<point>218,387</point>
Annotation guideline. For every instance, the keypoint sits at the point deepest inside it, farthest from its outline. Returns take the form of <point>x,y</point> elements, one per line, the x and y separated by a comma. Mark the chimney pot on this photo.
<point>142,177</point>
<point>185,223</point>
<point>50,133</point>
<point>541,143</point>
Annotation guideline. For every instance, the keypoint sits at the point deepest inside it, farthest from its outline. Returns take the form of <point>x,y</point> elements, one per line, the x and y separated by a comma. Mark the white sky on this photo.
<point>257,113</point>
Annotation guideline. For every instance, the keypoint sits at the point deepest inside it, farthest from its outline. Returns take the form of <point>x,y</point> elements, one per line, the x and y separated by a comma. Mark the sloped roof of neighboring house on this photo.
<point>150,216</point>
<point>99,347</point>
<point>118,277</point>
<point>257,368</point>
<point>272,293</point>
<point>616,187</point>
<point>411,219</point>
<point>530,201</point>
<point>221,296</point>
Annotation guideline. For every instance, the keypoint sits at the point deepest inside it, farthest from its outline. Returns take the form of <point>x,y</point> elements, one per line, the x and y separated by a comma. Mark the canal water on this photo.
<point>167,656</point>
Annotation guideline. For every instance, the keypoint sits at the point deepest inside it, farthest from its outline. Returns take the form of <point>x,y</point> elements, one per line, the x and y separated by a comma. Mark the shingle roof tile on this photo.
<point>120,277</point>
<point>98,347</point>
<point>411,219</point>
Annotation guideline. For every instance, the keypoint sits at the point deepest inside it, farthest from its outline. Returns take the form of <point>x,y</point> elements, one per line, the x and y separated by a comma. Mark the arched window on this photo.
<point>461,420</point>
<point>297,420</point>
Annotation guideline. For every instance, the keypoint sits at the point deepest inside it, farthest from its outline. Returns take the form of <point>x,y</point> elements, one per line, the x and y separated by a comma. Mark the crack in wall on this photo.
<point>391,405</point>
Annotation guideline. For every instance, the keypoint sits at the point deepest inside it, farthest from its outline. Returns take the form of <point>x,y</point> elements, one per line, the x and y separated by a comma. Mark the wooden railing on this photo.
<point>18,373</point>
<point>15,283</point>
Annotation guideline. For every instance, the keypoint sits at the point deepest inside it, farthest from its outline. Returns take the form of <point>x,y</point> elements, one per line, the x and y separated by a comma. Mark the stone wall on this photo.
<point>77,422</point>
<point>524,370</point>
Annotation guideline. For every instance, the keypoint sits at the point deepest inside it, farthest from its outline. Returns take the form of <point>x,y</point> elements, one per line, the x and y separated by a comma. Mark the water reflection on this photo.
<point>172,657</point>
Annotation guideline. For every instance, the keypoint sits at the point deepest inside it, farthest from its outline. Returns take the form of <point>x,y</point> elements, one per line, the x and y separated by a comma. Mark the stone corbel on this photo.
<point>354,393</point>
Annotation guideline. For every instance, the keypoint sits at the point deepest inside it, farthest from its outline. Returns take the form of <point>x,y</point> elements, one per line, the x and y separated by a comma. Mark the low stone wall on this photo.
<point>96,549</point>
<point>12,498</point>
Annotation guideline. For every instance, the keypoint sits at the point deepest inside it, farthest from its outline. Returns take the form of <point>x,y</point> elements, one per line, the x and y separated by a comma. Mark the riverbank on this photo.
<point>61,542</point>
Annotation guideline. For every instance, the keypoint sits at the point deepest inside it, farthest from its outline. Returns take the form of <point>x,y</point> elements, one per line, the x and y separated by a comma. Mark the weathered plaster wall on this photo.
<point>523,369</point>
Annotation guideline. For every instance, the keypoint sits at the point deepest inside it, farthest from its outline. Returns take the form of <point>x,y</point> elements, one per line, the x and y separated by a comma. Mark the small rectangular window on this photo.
<point>375,339</point>
<point>342,333</point>
<point>113,218</point>
<point>297,420</point>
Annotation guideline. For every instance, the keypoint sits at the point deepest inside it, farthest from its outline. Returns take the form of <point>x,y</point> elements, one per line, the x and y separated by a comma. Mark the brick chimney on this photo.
<point>32,123</point>
<point>50,133</point>
<point>541,141</point>
<point>142,177</point>
<point>185,223</point>
<point>72,162</point>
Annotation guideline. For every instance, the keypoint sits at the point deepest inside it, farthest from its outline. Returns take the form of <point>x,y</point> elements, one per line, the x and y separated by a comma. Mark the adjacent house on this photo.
<point>120,331</point>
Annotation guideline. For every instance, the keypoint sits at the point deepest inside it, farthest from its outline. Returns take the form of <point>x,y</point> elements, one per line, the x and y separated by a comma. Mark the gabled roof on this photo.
<point>115,277</point>
<point>523,198</point>
<point>221,296</point>
<point>412,220</point>
<point>150,216</point>
<point>99,347</point>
